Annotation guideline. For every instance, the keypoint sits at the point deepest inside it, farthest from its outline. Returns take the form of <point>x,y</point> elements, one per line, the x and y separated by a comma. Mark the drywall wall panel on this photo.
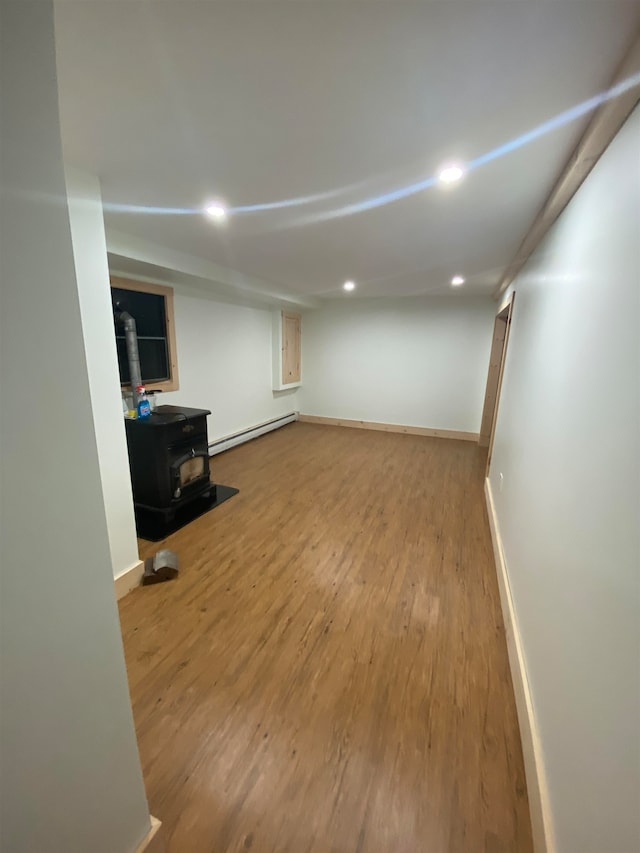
<point>224,359</point>
<point>71,778</point>
<point>92,275</point>
<point>420,361</point>
<point>567,444</point>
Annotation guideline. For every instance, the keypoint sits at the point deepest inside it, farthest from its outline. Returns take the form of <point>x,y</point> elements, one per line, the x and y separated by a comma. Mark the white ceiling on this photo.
<point>173,104</point>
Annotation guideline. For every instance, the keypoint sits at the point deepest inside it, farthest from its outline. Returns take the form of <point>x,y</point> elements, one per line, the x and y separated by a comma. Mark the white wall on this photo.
<point>416,361</point>
<point>92,275</point>
<point>224,360</point>
<point>71,779</point>
<point>568,444</point>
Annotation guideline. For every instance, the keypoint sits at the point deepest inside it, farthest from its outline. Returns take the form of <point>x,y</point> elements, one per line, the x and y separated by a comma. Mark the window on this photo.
<point>151,306</point>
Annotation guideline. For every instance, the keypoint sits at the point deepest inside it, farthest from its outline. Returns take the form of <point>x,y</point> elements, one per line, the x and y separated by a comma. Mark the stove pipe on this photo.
<point>133,356</point>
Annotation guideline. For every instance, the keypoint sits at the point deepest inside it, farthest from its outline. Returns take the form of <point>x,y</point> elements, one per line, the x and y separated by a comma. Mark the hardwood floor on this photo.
<point>329,672</point>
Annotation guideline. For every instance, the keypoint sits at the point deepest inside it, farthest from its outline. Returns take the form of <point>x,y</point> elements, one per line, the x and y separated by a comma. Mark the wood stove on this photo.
<point>169,464</point>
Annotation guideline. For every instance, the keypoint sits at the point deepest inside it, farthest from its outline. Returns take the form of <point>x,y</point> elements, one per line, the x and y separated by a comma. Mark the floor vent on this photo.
<point>252,432</point>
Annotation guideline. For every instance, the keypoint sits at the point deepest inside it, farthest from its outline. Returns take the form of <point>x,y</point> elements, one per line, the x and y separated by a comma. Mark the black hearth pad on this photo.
<point>150,525</point>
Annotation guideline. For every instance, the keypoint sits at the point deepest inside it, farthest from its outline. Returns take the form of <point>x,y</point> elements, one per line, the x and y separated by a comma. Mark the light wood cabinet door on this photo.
<point>290,348</point>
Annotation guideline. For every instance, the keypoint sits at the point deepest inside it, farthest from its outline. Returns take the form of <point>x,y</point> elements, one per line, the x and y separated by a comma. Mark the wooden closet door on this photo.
<point>290,348</point>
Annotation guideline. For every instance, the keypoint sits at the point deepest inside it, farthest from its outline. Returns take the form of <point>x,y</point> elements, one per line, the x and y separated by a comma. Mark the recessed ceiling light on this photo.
<point>457,280</point>
<point>451,173</point>
<point>216,210</point>
<point>349,285</point>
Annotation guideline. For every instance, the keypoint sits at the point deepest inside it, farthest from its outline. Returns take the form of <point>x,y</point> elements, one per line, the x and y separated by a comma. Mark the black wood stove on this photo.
<point>169,463</point>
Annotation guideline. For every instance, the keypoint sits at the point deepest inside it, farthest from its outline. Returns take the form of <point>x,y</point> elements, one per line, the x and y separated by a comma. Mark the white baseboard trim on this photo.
<point>401,428</point>
<point>531,748</point>
<point>129,579</point>
<point>153,842</point>
<point>228,441</point>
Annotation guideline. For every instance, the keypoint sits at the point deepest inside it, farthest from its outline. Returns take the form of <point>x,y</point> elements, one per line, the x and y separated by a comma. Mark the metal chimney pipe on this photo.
<point>133,355</point>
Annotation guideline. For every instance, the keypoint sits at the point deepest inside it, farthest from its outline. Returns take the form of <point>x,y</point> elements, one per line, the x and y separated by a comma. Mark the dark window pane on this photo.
<point>154,360</point>
<point>154,363</point>
<point>123,362</point>
<point>147,309</point>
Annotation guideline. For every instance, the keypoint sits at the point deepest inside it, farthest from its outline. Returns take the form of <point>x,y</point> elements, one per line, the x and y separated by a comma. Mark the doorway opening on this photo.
<point>494,378</point>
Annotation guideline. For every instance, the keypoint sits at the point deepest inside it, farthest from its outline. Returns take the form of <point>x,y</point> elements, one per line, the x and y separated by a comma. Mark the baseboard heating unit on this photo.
<point>229,441</point>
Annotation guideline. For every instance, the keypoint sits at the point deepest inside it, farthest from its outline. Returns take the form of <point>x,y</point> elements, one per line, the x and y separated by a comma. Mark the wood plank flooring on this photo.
<point>328,673</point>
